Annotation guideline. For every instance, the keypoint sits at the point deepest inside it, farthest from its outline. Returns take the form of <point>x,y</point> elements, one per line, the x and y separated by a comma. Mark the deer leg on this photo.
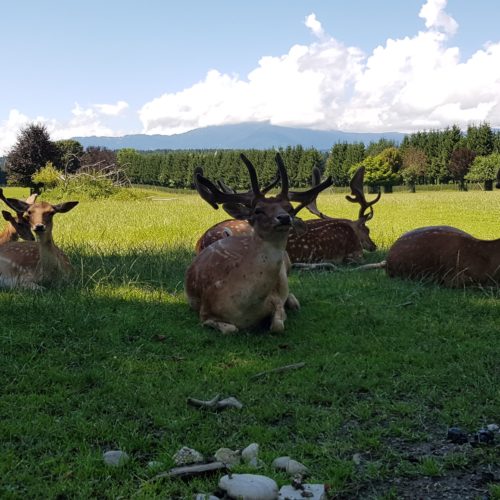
<point>278,316</point>
<point>222,326</point>
<point>292,302</point>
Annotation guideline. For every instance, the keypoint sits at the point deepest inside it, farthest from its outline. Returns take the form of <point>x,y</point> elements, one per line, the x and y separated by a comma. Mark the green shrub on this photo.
<point>48,176</point>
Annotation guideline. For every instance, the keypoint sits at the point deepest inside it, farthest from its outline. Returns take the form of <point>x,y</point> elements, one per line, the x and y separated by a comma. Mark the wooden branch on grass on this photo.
<point>216,403</point>
<point>295,366</point>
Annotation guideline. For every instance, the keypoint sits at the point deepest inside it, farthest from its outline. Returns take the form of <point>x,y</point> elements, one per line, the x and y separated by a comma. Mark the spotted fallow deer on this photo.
<point>241,282</point>
<point>17,227</point>
<point>445,255</point>
<point>329,239</point>
<point>34,264</point>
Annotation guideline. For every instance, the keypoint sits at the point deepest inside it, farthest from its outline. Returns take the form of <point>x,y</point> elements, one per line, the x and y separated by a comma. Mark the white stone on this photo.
<point>280,463</point>
<point>249,487</point>
<point>250,453</point>
<point>187,456</point>
<point>294,467</point>
<point>227,456</point>
<point>492,427</point>
<point>115,458</point>
<point>317,492</point>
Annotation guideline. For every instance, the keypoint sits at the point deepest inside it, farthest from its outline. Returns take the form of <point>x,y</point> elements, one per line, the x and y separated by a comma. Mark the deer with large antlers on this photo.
<point>240,282</point>
<point>326,240</point>
<point>446,255</point>
<point>17,227</point>
<point>33,264</point>
<point>332,239</point>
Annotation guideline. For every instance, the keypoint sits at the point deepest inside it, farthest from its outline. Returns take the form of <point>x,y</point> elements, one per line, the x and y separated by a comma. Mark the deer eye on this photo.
<point>259,211</point>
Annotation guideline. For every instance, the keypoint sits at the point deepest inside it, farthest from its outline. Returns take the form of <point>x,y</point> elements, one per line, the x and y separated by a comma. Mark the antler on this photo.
<point>358,195</point>
<point>215,196</point>
<point>312,207</point>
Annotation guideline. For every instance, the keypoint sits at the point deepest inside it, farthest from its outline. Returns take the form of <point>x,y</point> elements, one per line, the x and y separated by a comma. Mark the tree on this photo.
<point>382,169</point>
<point>33,149</point>
<point>480,139</point>
<point>70,152</point>
<point>98,157</point>
<point>375,148</point>
<point>460,162</point>
<point>484,169</point>
<point>414,166</point>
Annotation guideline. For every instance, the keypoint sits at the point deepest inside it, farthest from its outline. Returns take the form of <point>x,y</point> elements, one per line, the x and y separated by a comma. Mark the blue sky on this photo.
<point>116,67</point>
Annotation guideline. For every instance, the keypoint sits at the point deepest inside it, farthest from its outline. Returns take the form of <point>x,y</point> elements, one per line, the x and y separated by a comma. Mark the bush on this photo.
<point>48,176</point>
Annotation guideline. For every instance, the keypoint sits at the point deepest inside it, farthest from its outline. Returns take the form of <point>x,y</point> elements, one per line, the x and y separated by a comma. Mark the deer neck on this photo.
<point>50,260</point>
<point>273,247</point>
<point>8,234</point>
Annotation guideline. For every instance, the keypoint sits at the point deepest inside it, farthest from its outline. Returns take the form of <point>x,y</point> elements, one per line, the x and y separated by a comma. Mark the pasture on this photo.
<point>108,362</point>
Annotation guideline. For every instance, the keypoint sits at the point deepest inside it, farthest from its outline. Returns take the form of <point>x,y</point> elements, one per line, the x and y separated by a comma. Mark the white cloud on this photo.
<point>407,84</point>
<point>112,109</point>
<point>9,129</point>
<point>83,122</point>
<point>435,16</point>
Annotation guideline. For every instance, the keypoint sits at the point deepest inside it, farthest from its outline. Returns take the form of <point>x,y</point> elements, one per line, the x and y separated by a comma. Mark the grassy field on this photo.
<point>108,362</point>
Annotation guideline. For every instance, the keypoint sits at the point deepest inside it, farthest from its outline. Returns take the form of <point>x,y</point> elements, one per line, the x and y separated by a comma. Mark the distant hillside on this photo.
<point>240,136</point>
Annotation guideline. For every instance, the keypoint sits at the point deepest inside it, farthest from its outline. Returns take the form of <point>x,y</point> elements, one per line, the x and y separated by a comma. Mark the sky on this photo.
<point>116,67</point>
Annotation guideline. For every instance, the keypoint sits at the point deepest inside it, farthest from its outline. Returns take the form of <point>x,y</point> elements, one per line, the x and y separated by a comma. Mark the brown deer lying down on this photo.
<point>240,282</point>
<point>445,255</point>
<point>33,264</point>
<point>17,227</point>
<point>326,240</point>
<point>332,239</point>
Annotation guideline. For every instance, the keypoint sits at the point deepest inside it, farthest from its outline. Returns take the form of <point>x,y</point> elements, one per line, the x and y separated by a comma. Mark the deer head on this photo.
<point>18,224</point>
<point>38,216</point>
<point>357,196</point>
<point>267,216</point>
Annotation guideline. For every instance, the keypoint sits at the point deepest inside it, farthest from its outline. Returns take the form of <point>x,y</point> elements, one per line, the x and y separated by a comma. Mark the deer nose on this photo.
<point>284,219</point>
<point>39,228</point>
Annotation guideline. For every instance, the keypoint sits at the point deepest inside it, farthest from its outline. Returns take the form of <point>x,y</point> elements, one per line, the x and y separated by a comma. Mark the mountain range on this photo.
<point>239,136</point>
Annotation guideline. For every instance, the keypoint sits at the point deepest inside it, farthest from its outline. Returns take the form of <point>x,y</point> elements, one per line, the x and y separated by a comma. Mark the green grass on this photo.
<point>109,361</point>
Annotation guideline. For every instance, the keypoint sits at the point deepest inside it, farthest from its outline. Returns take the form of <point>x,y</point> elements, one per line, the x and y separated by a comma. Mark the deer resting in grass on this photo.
<point>332,239</point>
<point>34,264</point>
<point>326,240</point>
<point>241,282</point>
<point>17,227</point>
<point>446,255</point>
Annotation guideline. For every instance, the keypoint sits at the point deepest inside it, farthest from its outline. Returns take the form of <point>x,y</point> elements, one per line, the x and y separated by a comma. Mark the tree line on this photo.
<point>427,157</point>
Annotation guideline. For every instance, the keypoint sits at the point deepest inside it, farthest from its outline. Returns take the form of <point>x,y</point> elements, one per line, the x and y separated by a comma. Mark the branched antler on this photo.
<point>358,196</point>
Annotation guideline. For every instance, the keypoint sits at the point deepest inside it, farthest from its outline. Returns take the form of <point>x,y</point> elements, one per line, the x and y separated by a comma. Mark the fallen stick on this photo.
<point>216,403</point>
<point>317,265</point>
<point>295,366</point>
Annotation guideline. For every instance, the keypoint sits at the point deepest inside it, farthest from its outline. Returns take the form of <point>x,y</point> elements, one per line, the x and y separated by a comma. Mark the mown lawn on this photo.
<point>108,362</point>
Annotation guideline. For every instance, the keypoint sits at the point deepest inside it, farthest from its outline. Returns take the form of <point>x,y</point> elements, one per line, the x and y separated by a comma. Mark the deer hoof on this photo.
<point>292,302</point>
<point>278,326</point>
<point>224,328</point>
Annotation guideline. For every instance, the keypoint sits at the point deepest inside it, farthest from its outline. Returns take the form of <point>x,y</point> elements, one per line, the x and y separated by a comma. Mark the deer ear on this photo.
<point>7,216</point>
<point>16,205</point>
<point>32,198</point>
<point>65,207</point>
<point>237,210</point>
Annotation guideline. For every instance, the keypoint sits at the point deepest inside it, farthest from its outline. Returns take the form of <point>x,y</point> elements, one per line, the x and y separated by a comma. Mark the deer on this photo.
<point>240,282</point>
<point>17,227</point>
<point>446,255</point>
<point>328,239</point>
<point>35,264</point>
